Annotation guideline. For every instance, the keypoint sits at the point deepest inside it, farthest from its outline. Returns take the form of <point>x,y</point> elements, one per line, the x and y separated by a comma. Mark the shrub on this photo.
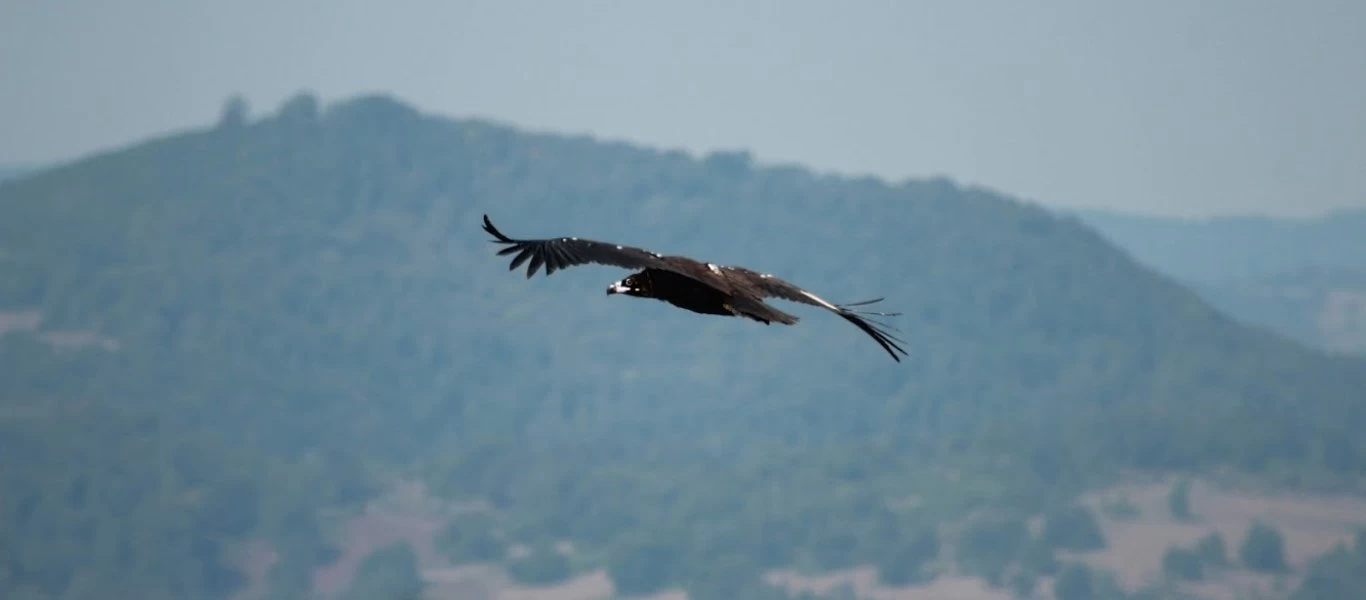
<point>987,546</point>
<point>471,539</point>
<point>388,572</point>
<point>542,566</point>
<point>1121,509</point>
<point>1263,549</point>
<point>1179,500</point>
<point>1073,528</point>
<point>1182,564</point>
<point>1212,550</point>
<point>1074,583</point>
<point>905,563</point>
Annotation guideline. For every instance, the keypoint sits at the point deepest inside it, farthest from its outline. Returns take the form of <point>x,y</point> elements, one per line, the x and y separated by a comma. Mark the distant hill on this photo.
<point>1301,278</point>
<point>1320,307</point>
<point>244,332</point>
<point>1219,249</point>
<point>8,172</point>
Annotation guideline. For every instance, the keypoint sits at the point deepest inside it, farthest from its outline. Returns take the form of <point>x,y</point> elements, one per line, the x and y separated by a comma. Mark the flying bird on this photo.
<point>701,287</point>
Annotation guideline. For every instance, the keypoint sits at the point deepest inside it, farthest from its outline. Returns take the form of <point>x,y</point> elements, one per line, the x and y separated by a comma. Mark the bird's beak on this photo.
<point>617,288</point>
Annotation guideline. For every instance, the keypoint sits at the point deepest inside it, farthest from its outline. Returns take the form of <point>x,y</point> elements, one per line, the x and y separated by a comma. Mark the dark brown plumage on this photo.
<point>686,283</point>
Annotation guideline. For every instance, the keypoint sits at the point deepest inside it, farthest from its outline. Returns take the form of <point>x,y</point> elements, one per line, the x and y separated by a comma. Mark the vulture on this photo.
<point>701,287</point>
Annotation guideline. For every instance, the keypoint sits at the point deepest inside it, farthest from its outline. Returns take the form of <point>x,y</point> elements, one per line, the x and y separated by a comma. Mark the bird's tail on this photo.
<point>877,329</point>
<point>846,307</point>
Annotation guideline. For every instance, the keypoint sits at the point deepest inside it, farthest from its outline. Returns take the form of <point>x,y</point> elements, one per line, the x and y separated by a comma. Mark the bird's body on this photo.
<point>691,294</point>
<point>689,284</point>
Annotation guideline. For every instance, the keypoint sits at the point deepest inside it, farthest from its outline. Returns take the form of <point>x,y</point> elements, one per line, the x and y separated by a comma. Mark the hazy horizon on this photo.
<point>1166,109</point>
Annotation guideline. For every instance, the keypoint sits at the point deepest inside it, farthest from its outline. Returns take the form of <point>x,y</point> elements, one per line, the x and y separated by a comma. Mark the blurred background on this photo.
<point>254,345</point>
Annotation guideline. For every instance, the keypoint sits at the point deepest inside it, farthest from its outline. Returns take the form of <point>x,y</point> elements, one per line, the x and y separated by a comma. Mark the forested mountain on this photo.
<point>1301,278</point>
<point>241,332</point>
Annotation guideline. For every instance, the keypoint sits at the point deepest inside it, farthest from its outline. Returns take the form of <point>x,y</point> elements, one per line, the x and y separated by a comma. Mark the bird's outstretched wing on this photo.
<point>565,252</point>
<point>761,285</point>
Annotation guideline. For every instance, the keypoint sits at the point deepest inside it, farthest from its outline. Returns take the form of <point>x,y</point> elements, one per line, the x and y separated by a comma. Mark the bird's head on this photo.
<point>635,285</point>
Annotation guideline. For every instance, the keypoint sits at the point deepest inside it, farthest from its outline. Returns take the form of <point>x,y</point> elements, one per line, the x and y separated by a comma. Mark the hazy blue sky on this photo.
<point>1171,106</point>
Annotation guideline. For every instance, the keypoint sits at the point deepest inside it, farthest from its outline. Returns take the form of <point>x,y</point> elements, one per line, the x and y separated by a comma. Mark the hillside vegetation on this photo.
<point>245,332</point>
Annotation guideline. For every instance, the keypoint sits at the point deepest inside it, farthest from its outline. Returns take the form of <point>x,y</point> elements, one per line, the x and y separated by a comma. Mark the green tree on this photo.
<point>1022,583</point>
<point>904,563</point>
<point>1182,564</point>
<point>388,572</point>
<point>235,112</point>
<point>1263,549</point>
<point>1121,509</point>
<point>728,586</point>
<point>987,546</point>
<point>1074,583</point>
<point>471,538</point>
<point>289,578</point>
<point>542,565</point>
<point>1040,557</point>
<point>643,568</point>
<point>1179,500</point>
<point>834,550</point>
<point>1338,573</point>
<point>1073,527</point>
<point>1212,550</point>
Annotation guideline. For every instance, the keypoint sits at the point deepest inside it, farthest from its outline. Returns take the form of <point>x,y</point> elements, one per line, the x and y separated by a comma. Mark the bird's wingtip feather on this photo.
<point>493,231</point>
